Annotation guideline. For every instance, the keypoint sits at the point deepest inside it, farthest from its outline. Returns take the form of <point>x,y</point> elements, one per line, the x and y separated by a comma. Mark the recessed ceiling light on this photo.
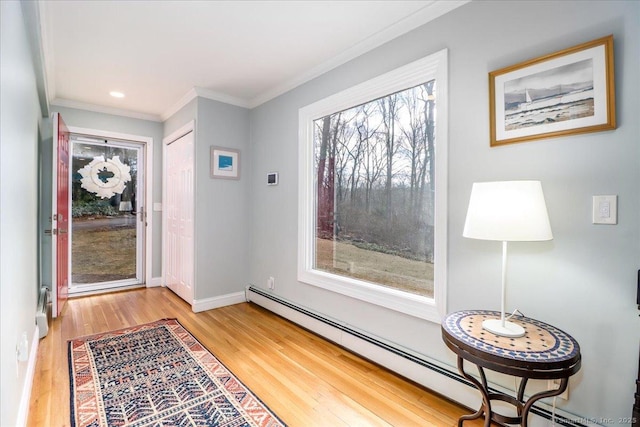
<point>116,94</point>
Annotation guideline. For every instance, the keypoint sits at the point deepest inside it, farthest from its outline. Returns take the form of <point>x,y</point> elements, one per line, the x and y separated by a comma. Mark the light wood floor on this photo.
<point>306,380</point>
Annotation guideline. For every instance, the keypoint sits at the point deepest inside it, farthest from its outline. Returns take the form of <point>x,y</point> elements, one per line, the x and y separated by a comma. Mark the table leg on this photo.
<point>549,393</point>
<point>521,387</point>
<point>482,387</point>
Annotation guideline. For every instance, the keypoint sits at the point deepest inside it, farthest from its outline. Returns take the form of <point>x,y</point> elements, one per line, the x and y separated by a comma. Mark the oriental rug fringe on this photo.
<point>157,374</point>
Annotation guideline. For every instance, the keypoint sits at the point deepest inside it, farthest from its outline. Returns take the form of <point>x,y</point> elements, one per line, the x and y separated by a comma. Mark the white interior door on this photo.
<point>179,209</point>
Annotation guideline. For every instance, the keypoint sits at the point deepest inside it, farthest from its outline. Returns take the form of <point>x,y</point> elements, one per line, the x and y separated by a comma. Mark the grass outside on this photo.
<point>103,254</point>
<point>388,270</point>
<point>107,253</point>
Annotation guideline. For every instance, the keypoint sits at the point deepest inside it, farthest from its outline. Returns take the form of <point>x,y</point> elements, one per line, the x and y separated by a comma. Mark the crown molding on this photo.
<point>104,109</point>
<point>221,97</point>
<point>204,93</point>
<point>429,12</point>
<point>186,98</point>
<point>426,14</point>
<point>46,47</point>
<point>31,12</point>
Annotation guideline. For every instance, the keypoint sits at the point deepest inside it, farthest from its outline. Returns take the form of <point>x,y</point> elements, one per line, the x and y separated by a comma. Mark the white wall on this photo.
<point>19,117</point>
<point>583,281</point>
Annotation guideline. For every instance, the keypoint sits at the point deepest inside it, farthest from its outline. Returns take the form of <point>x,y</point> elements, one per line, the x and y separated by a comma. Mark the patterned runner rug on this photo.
<point>157,374</point>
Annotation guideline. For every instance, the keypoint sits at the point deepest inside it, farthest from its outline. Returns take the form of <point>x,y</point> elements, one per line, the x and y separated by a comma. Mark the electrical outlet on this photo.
<point>554,385</point>
<point>271,283</point>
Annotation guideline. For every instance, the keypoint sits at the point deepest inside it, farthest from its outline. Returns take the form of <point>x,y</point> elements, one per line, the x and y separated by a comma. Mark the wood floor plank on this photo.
<point>306,380</point>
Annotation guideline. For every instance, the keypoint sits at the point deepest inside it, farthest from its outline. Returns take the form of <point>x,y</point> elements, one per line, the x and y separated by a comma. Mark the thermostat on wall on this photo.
<point>272,178</point>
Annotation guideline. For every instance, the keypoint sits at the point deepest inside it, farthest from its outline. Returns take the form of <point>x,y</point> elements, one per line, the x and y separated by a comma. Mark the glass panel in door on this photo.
<point>107,225</point>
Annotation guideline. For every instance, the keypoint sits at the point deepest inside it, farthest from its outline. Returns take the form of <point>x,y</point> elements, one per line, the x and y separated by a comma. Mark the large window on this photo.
<point>373,190</point>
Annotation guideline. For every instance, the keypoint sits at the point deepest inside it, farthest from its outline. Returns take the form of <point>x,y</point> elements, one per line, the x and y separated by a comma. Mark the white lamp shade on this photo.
<point>507,211</point>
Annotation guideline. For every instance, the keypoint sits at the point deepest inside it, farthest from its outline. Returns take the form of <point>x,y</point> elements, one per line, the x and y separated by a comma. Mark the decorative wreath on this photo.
<point>105,187</point>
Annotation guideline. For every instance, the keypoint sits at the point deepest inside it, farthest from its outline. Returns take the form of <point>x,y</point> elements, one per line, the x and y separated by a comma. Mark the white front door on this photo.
<point>109,213</point>
<point>179,214</point>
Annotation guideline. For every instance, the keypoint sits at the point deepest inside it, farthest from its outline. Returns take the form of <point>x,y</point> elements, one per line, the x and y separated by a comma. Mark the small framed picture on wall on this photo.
<point>225,163</point>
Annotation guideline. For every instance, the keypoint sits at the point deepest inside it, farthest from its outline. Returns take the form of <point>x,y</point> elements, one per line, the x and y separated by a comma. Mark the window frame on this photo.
<point>430,67</point>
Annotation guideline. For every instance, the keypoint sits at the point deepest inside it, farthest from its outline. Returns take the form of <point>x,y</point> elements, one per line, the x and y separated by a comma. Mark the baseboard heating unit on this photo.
<point>439,377</point>
<point>43,312</point>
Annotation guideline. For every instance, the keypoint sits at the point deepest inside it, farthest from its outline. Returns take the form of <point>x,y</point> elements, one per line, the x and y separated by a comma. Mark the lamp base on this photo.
<point>509,329</point>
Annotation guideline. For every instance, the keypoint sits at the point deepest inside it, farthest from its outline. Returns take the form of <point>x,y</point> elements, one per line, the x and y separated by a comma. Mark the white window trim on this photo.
<point>410,75</point>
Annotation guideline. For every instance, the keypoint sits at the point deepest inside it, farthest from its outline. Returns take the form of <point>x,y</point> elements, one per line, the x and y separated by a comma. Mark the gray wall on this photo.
<point>127,125</point>
<point>180,118</point>
<point>19,115</point>
<point>583,281</point>
<point>222,205</point>
<point>222,239</point>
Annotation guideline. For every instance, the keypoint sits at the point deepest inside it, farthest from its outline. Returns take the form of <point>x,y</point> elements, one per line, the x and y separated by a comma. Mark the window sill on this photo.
<point>393,299</point>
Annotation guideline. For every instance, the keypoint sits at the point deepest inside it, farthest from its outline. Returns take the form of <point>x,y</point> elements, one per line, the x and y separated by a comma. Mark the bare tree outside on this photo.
<point>374,168</point>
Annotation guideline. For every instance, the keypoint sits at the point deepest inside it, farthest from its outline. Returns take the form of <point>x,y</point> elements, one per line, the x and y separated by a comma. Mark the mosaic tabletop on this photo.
<point>542,343</point>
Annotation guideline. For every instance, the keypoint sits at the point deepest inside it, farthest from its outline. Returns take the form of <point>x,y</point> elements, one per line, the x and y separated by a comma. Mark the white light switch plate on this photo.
<point>605,209</point>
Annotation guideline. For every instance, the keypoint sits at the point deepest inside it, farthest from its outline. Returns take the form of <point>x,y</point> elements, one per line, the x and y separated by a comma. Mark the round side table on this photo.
<point>544,352</point>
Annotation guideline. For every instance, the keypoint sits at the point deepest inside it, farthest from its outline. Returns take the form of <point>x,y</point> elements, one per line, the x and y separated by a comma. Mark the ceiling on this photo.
<point>161,54</point>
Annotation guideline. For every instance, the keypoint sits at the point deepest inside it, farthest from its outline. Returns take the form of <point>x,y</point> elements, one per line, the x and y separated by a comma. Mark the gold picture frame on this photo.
<point>564,93</point>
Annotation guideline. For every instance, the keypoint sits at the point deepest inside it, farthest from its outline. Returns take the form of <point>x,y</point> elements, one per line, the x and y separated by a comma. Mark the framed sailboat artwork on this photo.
<point>567,92</point>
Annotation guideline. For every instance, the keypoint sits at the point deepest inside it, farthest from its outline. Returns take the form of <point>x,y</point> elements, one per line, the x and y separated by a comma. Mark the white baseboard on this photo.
<point>25,398</point>
<point>154,282</point>
<point>217,302</point>
<point>430,373</point>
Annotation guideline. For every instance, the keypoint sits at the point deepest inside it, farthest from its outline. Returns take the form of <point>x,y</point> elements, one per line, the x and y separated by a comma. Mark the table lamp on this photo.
<point>507,211</point>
